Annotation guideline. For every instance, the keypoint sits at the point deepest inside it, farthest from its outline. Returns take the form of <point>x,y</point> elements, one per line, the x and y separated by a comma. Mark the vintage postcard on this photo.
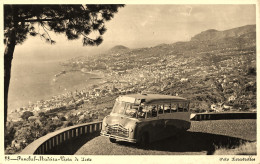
<point>129,81</point>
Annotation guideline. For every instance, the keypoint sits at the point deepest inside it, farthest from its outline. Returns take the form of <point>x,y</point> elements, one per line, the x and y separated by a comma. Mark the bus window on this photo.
<point>130,110</point>
<point>141,112</point>
<point>180,107</point>
<point>160,109</point>
<point>186,107</point>
<point>119,107</point>
<point>167,108</point>
<point>151,111</point>
<point>174,108</point>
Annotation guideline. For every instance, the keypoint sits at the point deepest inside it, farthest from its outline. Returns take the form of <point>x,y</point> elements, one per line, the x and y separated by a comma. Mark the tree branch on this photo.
<point>46,31</point>
<point>42,20</point>
<point>81,32</point>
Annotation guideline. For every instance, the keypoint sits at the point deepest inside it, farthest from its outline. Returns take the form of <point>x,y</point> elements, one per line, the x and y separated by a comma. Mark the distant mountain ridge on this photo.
<point>213,34</point>
<point>244,35</point>
<point>118,48</point>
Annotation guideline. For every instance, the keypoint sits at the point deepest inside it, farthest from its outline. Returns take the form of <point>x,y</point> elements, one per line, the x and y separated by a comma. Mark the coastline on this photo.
<point>31,89</point>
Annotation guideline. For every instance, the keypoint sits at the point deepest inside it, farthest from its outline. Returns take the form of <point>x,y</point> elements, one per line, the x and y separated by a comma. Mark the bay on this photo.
<point>33,80</point>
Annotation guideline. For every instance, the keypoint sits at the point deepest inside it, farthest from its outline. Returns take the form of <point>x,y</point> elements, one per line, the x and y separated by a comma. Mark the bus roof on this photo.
<point>156,98</point>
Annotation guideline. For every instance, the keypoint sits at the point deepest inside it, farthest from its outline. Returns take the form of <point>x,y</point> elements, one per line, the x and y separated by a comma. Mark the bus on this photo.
<point>145,118</point>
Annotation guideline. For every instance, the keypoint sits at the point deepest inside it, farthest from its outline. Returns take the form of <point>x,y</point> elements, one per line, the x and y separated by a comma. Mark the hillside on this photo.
<point>215,35</point>
<point>118,49</point>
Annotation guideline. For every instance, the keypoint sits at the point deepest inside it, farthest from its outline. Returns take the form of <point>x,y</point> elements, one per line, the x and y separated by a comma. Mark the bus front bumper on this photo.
<point>104,133</point>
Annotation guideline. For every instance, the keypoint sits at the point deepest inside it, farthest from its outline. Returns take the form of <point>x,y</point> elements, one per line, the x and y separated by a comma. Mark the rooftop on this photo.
<point>156,98</point>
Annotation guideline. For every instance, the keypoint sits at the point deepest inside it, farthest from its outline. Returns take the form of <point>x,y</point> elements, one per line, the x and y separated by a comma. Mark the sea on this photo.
<point>33,80</point>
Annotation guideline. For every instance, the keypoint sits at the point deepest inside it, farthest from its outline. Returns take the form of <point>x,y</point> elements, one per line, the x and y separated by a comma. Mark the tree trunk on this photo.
<point>8,57</point>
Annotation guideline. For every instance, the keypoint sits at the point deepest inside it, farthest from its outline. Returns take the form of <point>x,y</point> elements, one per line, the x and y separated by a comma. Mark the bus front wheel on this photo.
<point>112,140</point>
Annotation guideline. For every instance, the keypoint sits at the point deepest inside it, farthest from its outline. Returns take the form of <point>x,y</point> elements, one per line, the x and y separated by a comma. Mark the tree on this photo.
<point>10,134</point>
<point>42,114</point>
<point>251,71</point>
<point>26,115</point>
<point>72,20</point>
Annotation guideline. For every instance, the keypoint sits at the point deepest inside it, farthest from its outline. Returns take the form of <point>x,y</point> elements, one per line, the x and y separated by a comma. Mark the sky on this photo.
<point>137,26</point>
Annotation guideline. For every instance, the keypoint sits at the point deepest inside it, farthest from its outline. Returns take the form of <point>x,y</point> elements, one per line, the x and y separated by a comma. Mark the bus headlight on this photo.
<point>131,130</point>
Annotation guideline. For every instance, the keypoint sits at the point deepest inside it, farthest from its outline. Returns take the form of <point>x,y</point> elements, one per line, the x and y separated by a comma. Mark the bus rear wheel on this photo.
<point>112,140</point>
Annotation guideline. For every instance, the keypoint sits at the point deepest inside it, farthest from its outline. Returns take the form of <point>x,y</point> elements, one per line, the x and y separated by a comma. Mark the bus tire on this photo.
<point>112,140</point>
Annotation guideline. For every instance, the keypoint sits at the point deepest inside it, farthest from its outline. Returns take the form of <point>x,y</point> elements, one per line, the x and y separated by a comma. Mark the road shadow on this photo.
<point>193,142</point>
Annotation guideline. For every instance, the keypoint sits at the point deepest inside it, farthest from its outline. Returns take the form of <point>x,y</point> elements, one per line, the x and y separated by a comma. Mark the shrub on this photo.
<point>26,115</point>
<point>42,114</point>
<point>68,124</point>
<point>243,149</point>
<point>50,127</point>
<point>9,135</point>
<point>251,71</point>
<point>63,119</point>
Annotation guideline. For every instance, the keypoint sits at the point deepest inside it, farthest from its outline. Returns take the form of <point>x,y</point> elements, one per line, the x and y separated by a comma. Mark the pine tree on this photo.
<point>74,21</point>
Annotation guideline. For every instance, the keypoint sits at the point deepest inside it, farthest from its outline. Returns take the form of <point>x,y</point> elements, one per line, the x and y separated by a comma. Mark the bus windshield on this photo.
<point>125,108</point>
<point>119,107</point>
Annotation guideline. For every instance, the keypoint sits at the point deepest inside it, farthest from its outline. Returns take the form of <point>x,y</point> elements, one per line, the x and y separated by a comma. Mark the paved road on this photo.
<point>203,138</point>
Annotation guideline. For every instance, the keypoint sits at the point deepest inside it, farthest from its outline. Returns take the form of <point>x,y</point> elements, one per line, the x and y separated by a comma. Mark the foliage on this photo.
<point>72,20</point>
<point>9,134</point>
<point>251,71</point>
<point>26,115</point>
<point>50,127</point>
<point>69,123</point>
<point>247,148</point>
<point>63,118</point>
<point>42,114</point>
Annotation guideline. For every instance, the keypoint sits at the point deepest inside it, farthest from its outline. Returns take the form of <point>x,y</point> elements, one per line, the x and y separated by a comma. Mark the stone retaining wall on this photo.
<point>58,142</point>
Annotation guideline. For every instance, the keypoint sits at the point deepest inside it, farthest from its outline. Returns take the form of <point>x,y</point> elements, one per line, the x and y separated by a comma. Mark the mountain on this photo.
<point>213,34</point>
<point>118,49</point>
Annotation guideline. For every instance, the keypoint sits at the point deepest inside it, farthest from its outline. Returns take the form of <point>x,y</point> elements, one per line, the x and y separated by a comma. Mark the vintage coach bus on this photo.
<point>144,118</point>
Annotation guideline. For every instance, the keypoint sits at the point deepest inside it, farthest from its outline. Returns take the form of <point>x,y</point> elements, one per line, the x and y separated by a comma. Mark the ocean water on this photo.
<point>34,80</point>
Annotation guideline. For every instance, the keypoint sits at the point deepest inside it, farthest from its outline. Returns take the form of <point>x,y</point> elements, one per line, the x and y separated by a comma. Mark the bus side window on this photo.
<point>167,108</point>
<point>174,108</point>
<point>152,112</point>
<point>186,107</point>
<point>180,107</point>
<point>160,109</point>
<point>141,112</point>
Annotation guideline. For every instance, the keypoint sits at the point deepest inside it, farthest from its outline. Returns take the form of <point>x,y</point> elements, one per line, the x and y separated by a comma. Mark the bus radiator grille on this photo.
<point>118,130</point>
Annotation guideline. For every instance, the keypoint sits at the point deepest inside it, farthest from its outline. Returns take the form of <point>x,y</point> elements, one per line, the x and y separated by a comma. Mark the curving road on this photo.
<point>203,138</point>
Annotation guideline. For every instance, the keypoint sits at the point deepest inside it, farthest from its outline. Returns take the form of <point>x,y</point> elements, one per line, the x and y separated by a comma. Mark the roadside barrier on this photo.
<point>58,142</point>
<point>223,116</point>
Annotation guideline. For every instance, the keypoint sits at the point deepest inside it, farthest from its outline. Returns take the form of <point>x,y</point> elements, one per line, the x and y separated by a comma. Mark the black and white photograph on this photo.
<point>135,80</point>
